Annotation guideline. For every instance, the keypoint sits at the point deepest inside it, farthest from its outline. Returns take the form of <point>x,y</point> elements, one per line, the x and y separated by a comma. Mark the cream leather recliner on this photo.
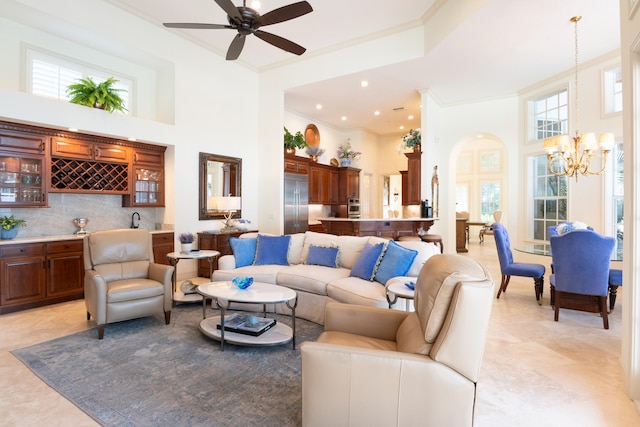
<point>121,280</point>
<point>380,367</point>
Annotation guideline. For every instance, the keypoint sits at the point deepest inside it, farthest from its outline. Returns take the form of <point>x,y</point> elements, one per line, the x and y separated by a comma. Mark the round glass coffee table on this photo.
<point>223,294</point>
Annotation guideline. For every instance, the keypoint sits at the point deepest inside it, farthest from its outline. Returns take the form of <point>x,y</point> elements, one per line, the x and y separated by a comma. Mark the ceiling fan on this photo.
<point>248,21</point>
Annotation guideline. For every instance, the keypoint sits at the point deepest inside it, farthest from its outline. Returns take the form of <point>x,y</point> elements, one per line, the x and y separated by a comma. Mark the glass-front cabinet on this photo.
<point>22,180</point>
<point>148,184</point>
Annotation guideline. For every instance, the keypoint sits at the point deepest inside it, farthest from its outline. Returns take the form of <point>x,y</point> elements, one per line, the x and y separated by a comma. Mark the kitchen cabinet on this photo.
<point>323,184</point>
<point>348,184</point>
<point>162,244</point>
<point>411,179</point>
<point>296,164</point>
<point>37,274</point>
<point>148,178</point>
<point>216,242</point>
<point>88,150</point>
<point>22,169</point>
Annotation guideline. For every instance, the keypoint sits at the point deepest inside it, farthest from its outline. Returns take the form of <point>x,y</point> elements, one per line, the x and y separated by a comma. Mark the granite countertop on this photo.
<point>377,219</point>
<point>42,239</point>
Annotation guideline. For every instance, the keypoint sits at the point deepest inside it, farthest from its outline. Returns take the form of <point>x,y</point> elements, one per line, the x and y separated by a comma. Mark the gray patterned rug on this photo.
<point>146,373</point>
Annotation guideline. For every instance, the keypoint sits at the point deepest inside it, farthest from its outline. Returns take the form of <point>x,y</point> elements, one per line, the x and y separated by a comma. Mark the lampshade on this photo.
<point>232,203</point>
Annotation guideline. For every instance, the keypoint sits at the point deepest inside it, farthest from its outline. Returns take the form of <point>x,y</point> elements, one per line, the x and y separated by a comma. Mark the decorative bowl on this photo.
<point>242,282</point>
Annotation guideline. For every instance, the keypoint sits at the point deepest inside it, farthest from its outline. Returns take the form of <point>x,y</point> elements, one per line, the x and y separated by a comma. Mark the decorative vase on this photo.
<point>290,150</point>
<point>9,234</point>
<point>416,148</point>
<point>314,158</point>
<point>345,162</point>
<point>185,248</point>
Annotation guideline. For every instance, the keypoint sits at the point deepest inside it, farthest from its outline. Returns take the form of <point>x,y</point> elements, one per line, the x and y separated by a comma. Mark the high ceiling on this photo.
<point>500,48</point>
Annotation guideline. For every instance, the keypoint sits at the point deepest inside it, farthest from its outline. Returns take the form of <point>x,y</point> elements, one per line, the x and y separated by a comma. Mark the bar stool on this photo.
<point>436,239</point>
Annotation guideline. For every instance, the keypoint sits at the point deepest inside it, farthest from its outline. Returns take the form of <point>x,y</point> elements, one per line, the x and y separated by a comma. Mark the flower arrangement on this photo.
<point>314,151</point>
<point>186,237</point>
<point>345,152</point>
<point>412,139</point>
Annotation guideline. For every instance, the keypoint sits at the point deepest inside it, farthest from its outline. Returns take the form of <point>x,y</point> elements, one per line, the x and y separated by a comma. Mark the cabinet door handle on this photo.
<point>135,157</point>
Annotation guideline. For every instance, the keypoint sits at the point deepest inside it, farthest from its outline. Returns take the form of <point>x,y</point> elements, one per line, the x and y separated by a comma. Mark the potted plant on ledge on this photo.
<point>412,140</point>
<point>97,95</point>
<point>186,242</point>
<point>291,142</point>
<point>10,226</point>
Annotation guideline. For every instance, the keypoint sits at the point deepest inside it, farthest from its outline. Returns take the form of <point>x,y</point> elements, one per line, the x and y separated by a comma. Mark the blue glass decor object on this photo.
<point>242,282</point>
<point>410,285</point>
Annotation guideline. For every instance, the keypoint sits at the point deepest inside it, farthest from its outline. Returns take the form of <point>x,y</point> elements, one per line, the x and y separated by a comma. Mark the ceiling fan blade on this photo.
<point>230,9</point>
<point>280,42</point>
<point>235,47</point>
<point>196,26</point>
<point>286,13</point>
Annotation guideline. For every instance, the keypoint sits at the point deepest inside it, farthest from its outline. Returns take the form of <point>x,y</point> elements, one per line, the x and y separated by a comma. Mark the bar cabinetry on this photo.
<point>37,274</point>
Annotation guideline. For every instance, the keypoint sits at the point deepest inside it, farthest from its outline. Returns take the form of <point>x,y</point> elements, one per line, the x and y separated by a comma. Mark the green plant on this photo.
<point>9,222</point>
<point>294,141</point>
<point>97,95</point>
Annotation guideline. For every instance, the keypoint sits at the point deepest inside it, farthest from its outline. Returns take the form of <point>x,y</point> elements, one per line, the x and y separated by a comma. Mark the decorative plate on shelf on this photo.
<point>334,162</point>
<point>312,135</point>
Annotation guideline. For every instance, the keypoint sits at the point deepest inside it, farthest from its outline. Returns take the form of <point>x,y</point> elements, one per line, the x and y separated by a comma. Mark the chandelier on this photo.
<point>569,156</point>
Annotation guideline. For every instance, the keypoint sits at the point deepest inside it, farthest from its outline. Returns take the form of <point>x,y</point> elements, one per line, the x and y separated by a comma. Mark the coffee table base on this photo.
<point>279,334</point>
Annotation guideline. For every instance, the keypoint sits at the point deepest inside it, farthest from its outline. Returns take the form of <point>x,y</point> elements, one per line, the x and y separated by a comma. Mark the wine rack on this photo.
<point>86,176</point>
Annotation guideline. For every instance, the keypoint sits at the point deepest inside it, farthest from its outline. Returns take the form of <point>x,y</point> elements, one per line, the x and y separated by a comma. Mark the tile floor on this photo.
<point>535,372</point>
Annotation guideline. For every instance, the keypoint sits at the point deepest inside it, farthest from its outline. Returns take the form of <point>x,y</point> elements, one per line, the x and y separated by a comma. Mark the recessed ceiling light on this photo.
<point>364,83</point>
<point>410,117</point>
<point>255,5</point>
<point>377,113</point>
<point>401,127</point>
<point>344,118</point>
<point>318,106</point>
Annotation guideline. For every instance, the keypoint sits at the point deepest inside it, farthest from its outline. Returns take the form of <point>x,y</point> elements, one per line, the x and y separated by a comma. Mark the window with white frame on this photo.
<point>550,115</point>
<point>612,87</point>
<point>489,200</point>
<point>618,194</point>
<point>490,161</point>
<point>549,198</point>
<point>49,76</point>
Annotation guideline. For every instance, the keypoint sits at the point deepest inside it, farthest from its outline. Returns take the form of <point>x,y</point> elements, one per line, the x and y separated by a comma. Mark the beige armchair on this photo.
<point>380,367</point>
<point>121,280</point>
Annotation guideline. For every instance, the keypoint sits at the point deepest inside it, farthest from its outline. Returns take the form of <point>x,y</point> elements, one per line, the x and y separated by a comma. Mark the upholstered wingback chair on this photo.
<point>378,367</point>
<point>121,280</point>
<point>580,280</point>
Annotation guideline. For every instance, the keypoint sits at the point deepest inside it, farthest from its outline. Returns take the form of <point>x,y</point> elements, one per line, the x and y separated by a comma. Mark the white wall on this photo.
<point>214,103</point>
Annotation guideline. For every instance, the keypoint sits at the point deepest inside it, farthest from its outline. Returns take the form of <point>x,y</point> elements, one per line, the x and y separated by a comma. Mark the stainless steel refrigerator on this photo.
<point>296,203</point>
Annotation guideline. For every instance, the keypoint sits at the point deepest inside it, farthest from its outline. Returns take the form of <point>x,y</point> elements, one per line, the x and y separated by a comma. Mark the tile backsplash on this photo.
<point>103,211</point>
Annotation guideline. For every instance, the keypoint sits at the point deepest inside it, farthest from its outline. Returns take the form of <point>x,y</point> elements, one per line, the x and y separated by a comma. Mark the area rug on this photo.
<point>146,373</point>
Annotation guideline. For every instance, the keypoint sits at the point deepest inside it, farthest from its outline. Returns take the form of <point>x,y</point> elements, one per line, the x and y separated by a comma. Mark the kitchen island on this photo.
<point>392,228</point>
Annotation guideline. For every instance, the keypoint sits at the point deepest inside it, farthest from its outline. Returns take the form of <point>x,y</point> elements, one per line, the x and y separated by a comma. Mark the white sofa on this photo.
<point>316,285</point>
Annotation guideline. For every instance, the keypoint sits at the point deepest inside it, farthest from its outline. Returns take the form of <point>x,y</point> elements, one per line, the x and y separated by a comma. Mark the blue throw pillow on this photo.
<point>396,261</point>
<point>365,265</point>
<point>319,255</point>
<point>272,250</point>
<point>244,250</point>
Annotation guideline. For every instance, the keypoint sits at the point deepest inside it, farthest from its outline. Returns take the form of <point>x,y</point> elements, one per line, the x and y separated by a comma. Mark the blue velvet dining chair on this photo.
<point>510,268</point>
<point>580,280</point>
<point>615,280</point>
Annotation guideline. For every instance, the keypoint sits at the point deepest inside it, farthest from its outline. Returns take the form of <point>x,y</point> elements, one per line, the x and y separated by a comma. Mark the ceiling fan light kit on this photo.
<point>247,21</point>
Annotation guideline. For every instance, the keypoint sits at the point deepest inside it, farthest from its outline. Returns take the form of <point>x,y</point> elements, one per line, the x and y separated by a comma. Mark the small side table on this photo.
<point>399,290</point>
<point>175,257</point>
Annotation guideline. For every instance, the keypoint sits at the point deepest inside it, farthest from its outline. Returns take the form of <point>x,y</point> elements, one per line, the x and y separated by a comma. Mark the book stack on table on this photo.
<point>247,324</point>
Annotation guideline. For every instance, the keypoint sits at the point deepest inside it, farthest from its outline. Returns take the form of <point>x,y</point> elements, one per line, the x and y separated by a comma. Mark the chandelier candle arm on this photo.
<point>569,156</point>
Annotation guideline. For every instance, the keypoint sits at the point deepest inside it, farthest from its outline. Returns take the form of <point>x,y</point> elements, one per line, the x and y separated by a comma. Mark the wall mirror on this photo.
<point>220,176</point>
